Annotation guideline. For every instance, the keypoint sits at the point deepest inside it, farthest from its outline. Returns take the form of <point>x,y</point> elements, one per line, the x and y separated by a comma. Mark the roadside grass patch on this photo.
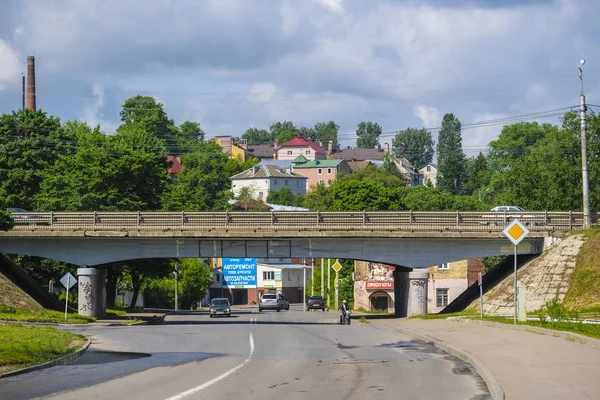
<point>42,315</point>
<point>465,313</point>
<point>22,346</point>
<point>584,287</point>
<point>364,320</point>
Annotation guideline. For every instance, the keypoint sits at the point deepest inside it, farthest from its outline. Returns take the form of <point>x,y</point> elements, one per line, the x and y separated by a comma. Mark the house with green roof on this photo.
<point>319,171</point>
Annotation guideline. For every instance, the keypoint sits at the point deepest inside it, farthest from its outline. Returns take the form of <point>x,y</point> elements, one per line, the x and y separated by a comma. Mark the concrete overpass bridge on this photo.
<point>412,239</point>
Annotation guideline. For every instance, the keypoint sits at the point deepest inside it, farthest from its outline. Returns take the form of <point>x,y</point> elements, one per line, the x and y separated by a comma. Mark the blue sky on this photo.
<point>234,64</point>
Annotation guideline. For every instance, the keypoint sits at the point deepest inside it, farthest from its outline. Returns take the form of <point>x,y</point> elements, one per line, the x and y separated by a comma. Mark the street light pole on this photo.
<point>584,162</point>
<point>176,273</point>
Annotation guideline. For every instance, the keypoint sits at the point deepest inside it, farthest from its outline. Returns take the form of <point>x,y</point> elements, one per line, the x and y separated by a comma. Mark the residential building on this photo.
<point>357,154</point>
<point>373,286</point>
<point>356,165</point>
<point>284,276</point>
<point>301,146</point>
<point>319,171</point>
<point>261,179</point>
<point>429,173</point>
<point>230,147</point>
<point>447,281</point>
<point>411,174</point>
<point>260,151</point>
<point>176,166</point>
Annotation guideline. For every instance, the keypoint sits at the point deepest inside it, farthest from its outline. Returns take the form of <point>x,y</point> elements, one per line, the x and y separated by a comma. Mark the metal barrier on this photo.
<point>300,220</point>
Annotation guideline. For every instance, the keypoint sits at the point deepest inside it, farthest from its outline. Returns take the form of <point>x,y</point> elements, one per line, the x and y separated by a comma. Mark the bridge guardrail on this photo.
<point>301,220</point>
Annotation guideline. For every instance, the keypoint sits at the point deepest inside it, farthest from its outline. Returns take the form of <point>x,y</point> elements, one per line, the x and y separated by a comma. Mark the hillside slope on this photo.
<point>546,277</point>
<point>584,288</point>
<point>12,296</point>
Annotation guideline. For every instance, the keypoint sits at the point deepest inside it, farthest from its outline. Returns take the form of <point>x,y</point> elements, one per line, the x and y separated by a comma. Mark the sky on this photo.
<point>235,64</point>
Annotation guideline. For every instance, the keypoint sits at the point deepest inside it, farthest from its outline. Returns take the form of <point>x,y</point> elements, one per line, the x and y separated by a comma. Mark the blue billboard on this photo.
<point>239,272</point>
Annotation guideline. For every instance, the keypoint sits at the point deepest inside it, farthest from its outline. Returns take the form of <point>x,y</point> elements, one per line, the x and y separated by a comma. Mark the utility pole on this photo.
<point>304,287</point>
<point>584,162</point>
<point>322,277</point>
<point>312,277</point>
<point>176,273</point>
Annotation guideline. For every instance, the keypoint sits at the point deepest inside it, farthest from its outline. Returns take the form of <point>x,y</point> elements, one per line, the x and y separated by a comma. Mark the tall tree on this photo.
<point>478,174</point>
<point>368,135</point>
<point>451,158</point>
<point>416,145</point>
<point>257,136</point>
<point>326,131</point>
<point>285,136</point>
<point>30,142</point>
<point>277,128</point>
<point>189,136</point>
<point>309,133</point>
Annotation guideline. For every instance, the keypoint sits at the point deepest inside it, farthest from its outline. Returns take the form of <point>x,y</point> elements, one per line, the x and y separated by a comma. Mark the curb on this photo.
<point>488,377</point>
<point>64,360</point>
<point>576,337</point>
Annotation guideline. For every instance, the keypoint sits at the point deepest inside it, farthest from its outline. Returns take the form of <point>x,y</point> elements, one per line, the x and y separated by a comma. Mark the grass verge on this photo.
<point>584,286</point>
<point>22,346</point>
<point>41,315</point>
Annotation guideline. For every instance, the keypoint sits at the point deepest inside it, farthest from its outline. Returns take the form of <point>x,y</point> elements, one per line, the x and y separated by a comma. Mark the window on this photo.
<point>321,181</point>
<point>260,195</point>
<point>297,183</point>
<point>444,266</point>
<point>286,182</point>
<point>329,181</point>
<point>442,297</point>
<point>217,277</point>
<point>274,181</point>
<point>289,275</point>
<point>289,152</point>
<point>268,275</point>
<point>319,171</point>
<point>307,152</point>
<point>429,168</point>
<point>328,171</point>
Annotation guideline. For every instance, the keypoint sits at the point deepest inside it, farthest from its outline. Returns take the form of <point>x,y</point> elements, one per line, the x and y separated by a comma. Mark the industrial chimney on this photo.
<point>31,83</point>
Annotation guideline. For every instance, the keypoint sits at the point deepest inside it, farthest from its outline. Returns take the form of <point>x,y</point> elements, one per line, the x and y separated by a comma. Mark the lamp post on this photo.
<point>584,162</point>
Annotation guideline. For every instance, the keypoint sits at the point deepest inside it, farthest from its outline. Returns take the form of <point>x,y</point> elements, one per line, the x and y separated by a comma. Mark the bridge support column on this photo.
<point>411,293</point>
<point>92,292</point>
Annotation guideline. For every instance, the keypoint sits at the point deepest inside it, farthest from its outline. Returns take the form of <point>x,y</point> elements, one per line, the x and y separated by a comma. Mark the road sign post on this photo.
<point>68,281</point>
<point>336,267</point>
<point>516,232</point>
<point>480,281</point>
<point>328,283</point>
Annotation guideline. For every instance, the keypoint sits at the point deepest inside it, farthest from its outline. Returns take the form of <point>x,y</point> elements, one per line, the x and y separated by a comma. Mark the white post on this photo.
<point>323,277</point>
<point>67,298</point>
<point>515,299</point>
<point>328,283</point>
<point>480,279</point>
<point>312,278</point>
<point>337,290</point>
<point>176,273</point>
<point>304,288</point>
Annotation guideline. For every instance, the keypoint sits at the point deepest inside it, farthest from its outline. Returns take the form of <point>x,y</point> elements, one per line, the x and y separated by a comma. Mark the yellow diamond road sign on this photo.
<point>516,231</point>
<point>337,266</point>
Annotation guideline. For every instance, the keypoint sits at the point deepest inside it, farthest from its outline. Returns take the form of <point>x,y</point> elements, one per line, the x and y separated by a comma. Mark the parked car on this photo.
<point>315,303</point>
<point>271,301</point>
<point>220,306</point>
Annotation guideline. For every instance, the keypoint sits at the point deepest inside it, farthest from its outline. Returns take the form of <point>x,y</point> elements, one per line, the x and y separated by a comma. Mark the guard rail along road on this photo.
<point>458,221</point>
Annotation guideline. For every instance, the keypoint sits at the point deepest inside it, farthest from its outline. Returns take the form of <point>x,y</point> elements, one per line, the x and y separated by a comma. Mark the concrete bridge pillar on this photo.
<point>92,292</point>
<point>411,293</point>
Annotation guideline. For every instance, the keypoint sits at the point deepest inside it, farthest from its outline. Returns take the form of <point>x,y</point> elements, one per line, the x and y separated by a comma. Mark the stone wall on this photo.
<point>546,277</point>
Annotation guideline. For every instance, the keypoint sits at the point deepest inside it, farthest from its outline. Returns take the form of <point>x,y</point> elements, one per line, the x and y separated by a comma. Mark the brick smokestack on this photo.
<point>31,83</point>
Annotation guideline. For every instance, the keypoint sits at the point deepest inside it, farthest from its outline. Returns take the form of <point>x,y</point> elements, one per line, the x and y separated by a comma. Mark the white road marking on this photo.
<point>218,378</point>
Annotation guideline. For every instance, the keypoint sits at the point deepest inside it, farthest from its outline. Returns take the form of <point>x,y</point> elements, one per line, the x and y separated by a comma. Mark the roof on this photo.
<point>432,164</point>
<point>266,171</point>
<point>359,154</point>
<point>300,159</point>
<point>318,164</point>
<point>283,266</point>
<point>356,165</point>
<point>279,163</point>
<point>276,207</point>
<point>260,150</point>
<point>176,167</point>
<point>250,204</point>
<point>299,141</point>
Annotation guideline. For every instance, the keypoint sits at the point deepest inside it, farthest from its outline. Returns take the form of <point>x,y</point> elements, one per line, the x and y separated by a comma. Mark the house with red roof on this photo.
<point>300,146</point>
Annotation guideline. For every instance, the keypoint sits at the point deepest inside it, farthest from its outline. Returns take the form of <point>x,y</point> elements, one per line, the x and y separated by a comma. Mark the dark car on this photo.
<point>220,307</point>
<point>315,303</point>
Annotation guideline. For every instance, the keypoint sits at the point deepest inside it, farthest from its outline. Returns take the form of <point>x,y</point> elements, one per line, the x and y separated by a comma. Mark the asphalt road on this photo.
<point>269,355</point>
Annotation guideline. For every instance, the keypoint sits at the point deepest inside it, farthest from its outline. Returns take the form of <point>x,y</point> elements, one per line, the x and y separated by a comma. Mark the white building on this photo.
<point>429,173</point>
<point>261,179</point>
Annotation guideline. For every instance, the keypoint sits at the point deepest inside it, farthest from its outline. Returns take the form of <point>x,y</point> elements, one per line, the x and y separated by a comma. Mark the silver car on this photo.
<point>270,301</point>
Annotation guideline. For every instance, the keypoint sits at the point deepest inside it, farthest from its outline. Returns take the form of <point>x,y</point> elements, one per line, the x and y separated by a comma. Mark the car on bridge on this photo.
<point>220,306</point>
<point>24,217</point>
<point>504,215</point>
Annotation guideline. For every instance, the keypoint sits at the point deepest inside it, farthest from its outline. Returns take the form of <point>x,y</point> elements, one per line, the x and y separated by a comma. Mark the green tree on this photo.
<point>416,145</point>
<point>194,280</point>
<point>189,136</point>
<point>285,136</point>
<point>451,159</point>
<point>478,174</point>
<point>368,135</point>
<point>277,128</point>
<point>283,197</point>
<point>309,133</point>
<point>326,131</point>
<point>30,143</point>
<point>256,136</point>
<point>6,221</point>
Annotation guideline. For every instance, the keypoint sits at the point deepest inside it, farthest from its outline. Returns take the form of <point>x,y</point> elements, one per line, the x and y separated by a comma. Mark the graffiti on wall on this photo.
<point>88,297</point>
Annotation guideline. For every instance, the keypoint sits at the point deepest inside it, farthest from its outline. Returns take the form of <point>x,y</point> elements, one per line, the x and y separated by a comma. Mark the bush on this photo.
<point>559,312</point>
<point>6,221</point>
<point>159,293</point>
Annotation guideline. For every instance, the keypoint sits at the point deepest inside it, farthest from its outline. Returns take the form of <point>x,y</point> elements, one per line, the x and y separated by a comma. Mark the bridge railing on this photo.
<point>300,220</point>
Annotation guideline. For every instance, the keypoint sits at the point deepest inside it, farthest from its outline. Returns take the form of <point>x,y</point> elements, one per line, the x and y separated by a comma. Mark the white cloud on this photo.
<point>9,65</point>
<point>333,5</point>
<point>429,116</point>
